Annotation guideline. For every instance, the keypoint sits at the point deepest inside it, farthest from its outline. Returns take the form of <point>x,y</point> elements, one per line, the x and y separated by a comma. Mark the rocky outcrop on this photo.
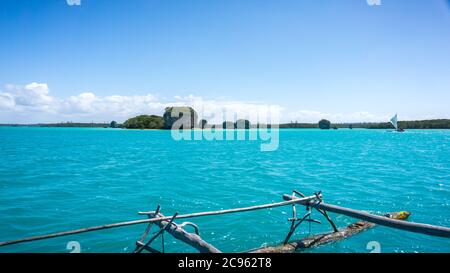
<point>180,118</point>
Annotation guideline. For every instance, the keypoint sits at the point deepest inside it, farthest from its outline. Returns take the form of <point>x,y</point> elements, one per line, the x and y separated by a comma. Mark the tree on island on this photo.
<point>185,116</point>
<point>203,123</point>
<point>242,124</point>
<point>113,124</point>
<point>324,124</point>
<point>144,122</point>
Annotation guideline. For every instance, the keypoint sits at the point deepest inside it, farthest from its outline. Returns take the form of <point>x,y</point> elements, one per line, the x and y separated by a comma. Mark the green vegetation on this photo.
<point>324,124</point>
<point>294,125</point>
<point>74,124</point>
<point>416,124</point>
<point>185,116</point>
<point>144,122</point>
<point>173,114</point>
<point>413,124</point>
<point>262,125</point>
<point>425,124</point>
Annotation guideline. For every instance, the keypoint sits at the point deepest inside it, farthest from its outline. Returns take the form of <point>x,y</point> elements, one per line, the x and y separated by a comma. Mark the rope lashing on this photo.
<point>294,219</point>
<point>161,230</point>
<point>307,216</point>
<point>323,212</point>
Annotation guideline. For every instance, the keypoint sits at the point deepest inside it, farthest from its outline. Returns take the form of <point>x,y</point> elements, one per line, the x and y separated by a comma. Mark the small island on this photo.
<point>186,117</point>
<point>144,122</point>
<point>324,124</point>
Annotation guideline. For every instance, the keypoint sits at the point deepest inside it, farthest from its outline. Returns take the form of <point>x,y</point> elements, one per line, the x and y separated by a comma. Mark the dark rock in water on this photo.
<point>180,118</point>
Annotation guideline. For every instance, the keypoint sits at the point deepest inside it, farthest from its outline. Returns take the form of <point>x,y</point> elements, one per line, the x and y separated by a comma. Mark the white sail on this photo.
<point>394,121</point>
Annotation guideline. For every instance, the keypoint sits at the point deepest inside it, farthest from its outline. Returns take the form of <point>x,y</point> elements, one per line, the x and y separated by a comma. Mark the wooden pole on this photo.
<point>155,220</point>
<point>160,232</point>
<point>191,239</point>
<point>380,220</point>
<point>330,237</point>
<point>304,200</point>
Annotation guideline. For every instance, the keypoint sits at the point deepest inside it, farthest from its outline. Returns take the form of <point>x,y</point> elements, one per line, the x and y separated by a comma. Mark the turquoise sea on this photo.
<point>54,179</point>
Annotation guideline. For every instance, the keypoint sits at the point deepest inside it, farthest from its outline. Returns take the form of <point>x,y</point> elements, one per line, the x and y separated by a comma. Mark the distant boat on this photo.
<point>394,122</point>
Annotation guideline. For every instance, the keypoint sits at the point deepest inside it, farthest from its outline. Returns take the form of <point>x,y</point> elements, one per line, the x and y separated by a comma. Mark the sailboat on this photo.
<point>394,122</point>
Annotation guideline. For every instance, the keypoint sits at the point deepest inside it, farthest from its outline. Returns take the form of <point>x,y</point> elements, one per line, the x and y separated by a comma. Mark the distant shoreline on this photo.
<point>218,129</point>
<point>414,124</point>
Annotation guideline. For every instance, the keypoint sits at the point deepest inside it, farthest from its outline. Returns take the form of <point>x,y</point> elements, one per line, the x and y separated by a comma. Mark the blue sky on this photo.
<point>343,60</point>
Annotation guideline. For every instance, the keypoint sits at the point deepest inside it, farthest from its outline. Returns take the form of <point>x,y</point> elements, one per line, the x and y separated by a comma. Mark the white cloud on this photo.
<point>73,2</point>
<point>34,103</point>
<point>373,2</point>
<point>6,101</point>
<point>34,99</point>
<point>89,104</point>
<point>31,97</point>
<point>218,110</point>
